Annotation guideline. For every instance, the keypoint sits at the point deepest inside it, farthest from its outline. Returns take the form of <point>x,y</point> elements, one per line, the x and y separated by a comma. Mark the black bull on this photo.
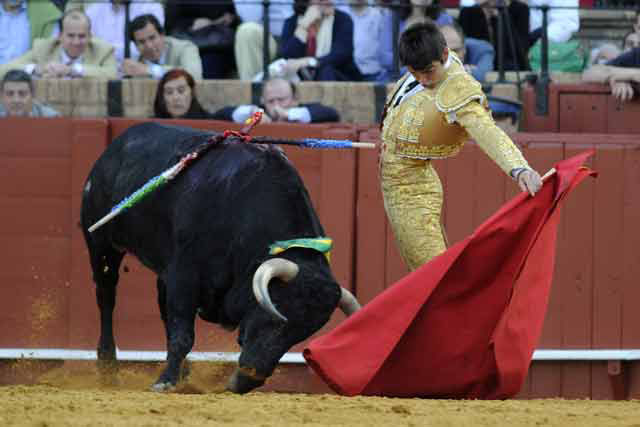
<point>206,235</point>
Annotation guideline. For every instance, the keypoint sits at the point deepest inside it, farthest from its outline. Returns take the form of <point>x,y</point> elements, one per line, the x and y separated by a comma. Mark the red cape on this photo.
<point>465,324</point>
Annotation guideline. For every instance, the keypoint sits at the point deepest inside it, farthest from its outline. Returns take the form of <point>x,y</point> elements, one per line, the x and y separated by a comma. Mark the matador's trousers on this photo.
<point>413,201</point>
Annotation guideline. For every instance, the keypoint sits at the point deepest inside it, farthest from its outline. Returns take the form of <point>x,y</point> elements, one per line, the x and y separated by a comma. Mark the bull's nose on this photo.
<point>242,381</point>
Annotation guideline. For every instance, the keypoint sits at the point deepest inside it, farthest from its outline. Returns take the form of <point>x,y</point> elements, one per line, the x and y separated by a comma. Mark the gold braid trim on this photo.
<point>478,123</point>
<point>456,91</point>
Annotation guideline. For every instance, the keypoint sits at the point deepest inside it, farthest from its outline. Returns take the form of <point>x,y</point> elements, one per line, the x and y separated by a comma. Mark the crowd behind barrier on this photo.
<point>134,96</point>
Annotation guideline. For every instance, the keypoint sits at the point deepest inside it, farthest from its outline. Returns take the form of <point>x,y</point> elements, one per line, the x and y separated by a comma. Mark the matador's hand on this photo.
<point>529,180</point>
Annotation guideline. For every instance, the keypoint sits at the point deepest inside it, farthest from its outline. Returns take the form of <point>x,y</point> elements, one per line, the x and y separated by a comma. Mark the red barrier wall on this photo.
<point>48,297</point>
<point>580,108</point>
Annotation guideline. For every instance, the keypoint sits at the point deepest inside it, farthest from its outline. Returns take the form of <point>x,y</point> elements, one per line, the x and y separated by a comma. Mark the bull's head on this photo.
<point>287,271</point>
<point>247,376</point>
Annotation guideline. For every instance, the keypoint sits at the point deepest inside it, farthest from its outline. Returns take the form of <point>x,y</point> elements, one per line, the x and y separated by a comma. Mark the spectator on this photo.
<point>185,16</point>
<point>367,37</point>
<point>480,21</point>
<point>563,20</point>
<point>108,24</point>
<point>16,98</point>
<point>159,53</point>
<point>74,53</point>
<point>622,74</point>
<point>477,55</point>
<point>414,11</point>
<point>631,40</point>
<point>604,53</point>
<point>249,47</point>
<point>176,97</point>
<point>280,103</point>
<point>320,37</point>
<point>21,22</point>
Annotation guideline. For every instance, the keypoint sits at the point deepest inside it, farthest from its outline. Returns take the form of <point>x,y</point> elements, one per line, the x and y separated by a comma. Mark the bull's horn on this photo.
<point>274,267</point>
<point>348,303</point>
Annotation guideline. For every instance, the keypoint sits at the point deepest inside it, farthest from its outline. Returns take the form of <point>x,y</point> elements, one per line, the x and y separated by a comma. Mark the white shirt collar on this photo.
<point>66,59</point>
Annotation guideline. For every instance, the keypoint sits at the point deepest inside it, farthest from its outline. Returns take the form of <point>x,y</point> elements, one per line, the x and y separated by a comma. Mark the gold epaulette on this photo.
<point>456,92</point>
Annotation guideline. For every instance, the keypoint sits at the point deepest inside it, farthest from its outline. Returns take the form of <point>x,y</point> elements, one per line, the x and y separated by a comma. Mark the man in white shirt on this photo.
<point>367,28</point>
<point>562,23</point>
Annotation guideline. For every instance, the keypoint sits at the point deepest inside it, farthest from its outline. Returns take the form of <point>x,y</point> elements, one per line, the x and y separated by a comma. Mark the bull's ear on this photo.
<point>281,268</point>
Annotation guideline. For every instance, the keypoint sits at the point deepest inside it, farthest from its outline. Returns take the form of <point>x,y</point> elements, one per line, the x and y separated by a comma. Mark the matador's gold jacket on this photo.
<point>421,124</point>
<point>435,123</point>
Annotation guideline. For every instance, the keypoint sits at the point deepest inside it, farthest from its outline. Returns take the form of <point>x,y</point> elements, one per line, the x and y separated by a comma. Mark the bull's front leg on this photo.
<point>181,305</point>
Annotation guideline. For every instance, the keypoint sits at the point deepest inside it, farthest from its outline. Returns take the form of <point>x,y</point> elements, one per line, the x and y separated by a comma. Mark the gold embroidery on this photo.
<point>418,130</point>
<point>457,91</point>
<point>499,147</point>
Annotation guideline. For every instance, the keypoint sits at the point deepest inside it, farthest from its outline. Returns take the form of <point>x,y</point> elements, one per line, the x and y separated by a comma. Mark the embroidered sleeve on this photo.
<point>478,123</point>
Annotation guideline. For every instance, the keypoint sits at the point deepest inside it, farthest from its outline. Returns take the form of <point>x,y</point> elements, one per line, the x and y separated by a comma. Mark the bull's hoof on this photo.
<point>163,387</point>
<point>243,380</point>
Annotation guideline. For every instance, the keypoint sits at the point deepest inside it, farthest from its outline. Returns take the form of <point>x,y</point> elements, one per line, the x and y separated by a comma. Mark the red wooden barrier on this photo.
<point>48,297</point>
<point>580,108</point>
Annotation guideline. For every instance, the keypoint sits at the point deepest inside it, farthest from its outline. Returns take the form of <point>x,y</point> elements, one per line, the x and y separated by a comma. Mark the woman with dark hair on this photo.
<point>176,97</point>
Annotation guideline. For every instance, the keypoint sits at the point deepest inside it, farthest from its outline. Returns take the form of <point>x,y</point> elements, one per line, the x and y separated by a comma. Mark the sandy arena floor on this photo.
<point>64,397</point>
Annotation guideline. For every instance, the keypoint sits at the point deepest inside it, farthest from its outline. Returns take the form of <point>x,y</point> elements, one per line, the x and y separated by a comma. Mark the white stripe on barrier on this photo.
<point>586,354</point>
<point>221,356</point>
<point>127,355</point>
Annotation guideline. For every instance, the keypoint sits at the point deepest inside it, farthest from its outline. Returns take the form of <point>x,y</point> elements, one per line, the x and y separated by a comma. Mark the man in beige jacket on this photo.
<point>160,53</point>
<point>74,53</point>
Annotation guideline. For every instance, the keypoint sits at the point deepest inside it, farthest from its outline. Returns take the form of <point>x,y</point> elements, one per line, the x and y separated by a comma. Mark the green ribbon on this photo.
<point>320,244</point>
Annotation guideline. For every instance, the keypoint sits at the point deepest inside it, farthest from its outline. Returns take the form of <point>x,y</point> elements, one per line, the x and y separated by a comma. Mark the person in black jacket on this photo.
<point>185,16</point>
<point>280,104</point>
<point>481,22</point>
<point>320,37</point>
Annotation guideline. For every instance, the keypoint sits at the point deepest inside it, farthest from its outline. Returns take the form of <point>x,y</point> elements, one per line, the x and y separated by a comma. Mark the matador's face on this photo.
<point>433,74</point>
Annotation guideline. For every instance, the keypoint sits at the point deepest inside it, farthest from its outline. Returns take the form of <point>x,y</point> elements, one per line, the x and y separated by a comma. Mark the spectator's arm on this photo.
<point>342,43</point>
<point>322,113</point>
<point>607,73</point>
<point>107,68</point>
<point>630,58</point>
<point>563,22</point>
